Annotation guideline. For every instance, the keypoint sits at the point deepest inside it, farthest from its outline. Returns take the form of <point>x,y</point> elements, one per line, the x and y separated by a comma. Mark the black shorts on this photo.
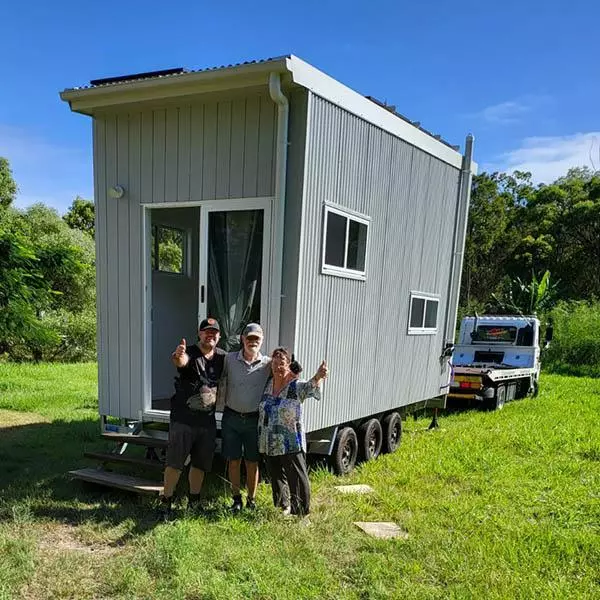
<point>196,440</point>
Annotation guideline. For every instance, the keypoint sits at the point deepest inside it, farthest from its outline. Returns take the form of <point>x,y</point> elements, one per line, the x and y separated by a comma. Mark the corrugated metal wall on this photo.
<point>361,326</point>
<point>222,148</point>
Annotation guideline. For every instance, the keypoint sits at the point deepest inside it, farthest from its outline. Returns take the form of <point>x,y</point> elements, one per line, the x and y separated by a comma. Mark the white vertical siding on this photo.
<point>136,265</point>
<point>361,326</point>
<point>222,148</point>
<point>112,264</point>
<point>122,266</point>
<point>101,218</point>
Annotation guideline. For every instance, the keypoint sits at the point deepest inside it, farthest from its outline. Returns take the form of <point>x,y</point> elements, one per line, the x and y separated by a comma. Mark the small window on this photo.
<point>168,249</point>
<point>344,243</point>
<point>423,314</point>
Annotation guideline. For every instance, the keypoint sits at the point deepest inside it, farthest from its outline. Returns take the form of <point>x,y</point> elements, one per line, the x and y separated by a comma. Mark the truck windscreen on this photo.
<point>494,333</point>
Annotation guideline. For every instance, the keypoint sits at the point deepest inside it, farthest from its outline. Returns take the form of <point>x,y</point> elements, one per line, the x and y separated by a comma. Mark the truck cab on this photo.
<point>497,358</point>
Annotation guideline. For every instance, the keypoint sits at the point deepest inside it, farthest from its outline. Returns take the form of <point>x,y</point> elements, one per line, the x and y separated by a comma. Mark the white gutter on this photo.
<point>283,110</point>
<point>460,234</point>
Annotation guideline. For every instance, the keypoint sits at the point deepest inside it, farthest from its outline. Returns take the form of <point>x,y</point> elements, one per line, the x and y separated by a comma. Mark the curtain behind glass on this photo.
<point>234,271</point>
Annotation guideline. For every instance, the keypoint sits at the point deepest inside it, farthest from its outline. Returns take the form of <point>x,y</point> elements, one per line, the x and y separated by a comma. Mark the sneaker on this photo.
<point>286,511</point>
<point>237,505</point>
<point>165,510</point>
<point>250,503</point>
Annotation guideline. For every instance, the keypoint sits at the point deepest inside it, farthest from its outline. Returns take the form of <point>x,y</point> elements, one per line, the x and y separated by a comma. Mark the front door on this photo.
<point>234,265</point>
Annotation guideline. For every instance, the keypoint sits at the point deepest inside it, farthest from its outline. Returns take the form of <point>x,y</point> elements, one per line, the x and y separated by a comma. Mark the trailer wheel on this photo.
<point>392,432</point>
<point>370,436</point>
<point>345,451</point>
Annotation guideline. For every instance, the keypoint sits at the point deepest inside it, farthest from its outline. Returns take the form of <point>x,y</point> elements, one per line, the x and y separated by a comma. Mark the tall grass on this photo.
<point>575,349</point>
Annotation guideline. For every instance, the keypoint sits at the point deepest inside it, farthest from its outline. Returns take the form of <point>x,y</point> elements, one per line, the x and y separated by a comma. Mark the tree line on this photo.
<point>529,248</point>
<point>517,232</point>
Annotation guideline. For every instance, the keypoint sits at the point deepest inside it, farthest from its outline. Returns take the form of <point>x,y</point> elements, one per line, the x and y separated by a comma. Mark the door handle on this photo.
<point>202,294</point>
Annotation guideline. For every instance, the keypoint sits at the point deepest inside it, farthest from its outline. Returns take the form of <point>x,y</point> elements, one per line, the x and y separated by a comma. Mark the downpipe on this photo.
<point>466,178</point>
<point>283,110</point>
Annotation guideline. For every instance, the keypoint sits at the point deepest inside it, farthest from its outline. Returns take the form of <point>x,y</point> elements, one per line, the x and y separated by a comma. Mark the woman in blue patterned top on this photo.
<point>281,435</point>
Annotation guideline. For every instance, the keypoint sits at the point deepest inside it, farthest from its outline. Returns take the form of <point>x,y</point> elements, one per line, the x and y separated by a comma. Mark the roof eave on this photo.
<point>89,100</point>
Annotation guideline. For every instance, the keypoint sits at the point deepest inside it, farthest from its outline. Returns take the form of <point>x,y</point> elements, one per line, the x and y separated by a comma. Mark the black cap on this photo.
<point>209,323</point>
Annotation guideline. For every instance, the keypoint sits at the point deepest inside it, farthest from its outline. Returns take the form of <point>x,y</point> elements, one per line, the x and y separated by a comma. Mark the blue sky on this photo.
<point>522,76</point>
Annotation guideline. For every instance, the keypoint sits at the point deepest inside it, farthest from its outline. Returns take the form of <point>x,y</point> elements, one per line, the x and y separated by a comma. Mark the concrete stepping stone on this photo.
<point>354,489</point>
<point>385,531</point>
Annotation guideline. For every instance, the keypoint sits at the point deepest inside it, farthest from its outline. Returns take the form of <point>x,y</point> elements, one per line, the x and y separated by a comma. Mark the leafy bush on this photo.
<point>77,336</point>
<point>575,348</point>
<point>47,287</point>
<point>68,337</point>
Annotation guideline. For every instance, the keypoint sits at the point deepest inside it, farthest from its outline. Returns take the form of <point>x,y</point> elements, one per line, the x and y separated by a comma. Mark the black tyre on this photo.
<point>345,451</point>
<point>370,439</point>
<point>392,432</point>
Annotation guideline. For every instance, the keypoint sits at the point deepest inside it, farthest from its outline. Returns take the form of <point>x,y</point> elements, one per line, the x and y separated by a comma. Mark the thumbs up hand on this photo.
<point>322,371</point>
<point>181,349</point>
<point>180,357</point>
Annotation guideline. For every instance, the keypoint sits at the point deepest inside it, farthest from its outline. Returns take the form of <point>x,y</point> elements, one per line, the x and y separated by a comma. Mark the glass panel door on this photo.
<point>233,290</point>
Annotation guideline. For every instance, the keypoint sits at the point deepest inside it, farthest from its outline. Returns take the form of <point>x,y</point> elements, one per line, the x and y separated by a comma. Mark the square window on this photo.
<point>423,314</point>
<point>345,237</point>
<point>168,249</point>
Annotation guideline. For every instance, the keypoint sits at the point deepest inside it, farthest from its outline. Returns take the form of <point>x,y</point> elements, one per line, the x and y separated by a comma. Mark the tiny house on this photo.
<point>268,191</point>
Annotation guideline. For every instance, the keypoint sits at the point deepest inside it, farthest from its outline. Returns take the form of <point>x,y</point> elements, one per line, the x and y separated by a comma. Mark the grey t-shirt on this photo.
<point>242,384</point>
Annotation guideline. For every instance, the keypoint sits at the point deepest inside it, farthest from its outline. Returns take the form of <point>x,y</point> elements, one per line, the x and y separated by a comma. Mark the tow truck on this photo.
<point>497,359</point>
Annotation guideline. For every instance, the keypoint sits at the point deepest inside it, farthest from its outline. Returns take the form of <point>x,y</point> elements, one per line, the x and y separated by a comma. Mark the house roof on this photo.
<point>155,85</point>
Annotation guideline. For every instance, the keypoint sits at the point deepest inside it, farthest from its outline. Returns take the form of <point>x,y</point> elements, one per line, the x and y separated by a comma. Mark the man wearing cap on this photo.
<point>241,389</point>
<point>193,429</point>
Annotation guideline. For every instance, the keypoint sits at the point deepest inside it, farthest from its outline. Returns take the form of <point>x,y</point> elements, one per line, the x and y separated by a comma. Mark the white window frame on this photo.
<point>348,214</point>
<point>423,330</point>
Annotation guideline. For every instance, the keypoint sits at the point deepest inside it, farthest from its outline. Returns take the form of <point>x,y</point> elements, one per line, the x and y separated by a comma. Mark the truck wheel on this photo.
<point>392,432</point>
<point>345,451</point>
<point>370,436</point>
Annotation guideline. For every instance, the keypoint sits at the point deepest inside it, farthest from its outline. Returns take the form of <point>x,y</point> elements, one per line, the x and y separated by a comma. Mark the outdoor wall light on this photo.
<point>116,191</point>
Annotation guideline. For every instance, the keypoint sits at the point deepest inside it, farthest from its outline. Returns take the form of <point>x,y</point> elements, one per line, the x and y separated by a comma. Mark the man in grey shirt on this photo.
<point>242,385</point>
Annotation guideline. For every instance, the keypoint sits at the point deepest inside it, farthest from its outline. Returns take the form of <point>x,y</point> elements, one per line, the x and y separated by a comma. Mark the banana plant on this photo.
<point>531,298</point>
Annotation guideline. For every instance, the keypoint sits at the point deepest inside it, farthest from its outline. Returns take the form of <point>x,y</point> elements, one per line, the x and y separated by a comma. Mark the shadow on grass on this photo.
<point>34,480</point>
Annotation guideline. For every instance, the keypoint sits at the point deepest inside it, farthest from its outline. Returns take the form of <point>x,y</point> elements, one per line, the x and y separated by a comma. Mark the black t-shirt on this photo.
<point>199,369</point>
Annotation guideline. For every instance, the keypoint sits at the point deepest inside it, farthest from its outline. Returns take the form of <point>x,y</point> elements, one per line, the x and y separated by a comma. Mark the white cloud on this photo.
<point>548,158</point>
<point>505,112</point>
<point>44,171</point>
<point>512,111</point>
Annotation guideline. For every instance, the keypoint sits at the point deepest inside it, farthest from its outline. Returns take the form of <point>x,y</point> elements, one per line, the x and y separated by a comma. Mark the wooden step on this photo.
<point>138,440</point>
<point>118,480</point>
<point>123,458</point>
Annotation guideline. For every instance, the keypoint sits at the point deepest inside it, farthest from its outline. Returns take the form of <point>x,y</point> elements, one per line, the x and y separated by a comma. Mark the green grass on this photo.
<point>496,505</point>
